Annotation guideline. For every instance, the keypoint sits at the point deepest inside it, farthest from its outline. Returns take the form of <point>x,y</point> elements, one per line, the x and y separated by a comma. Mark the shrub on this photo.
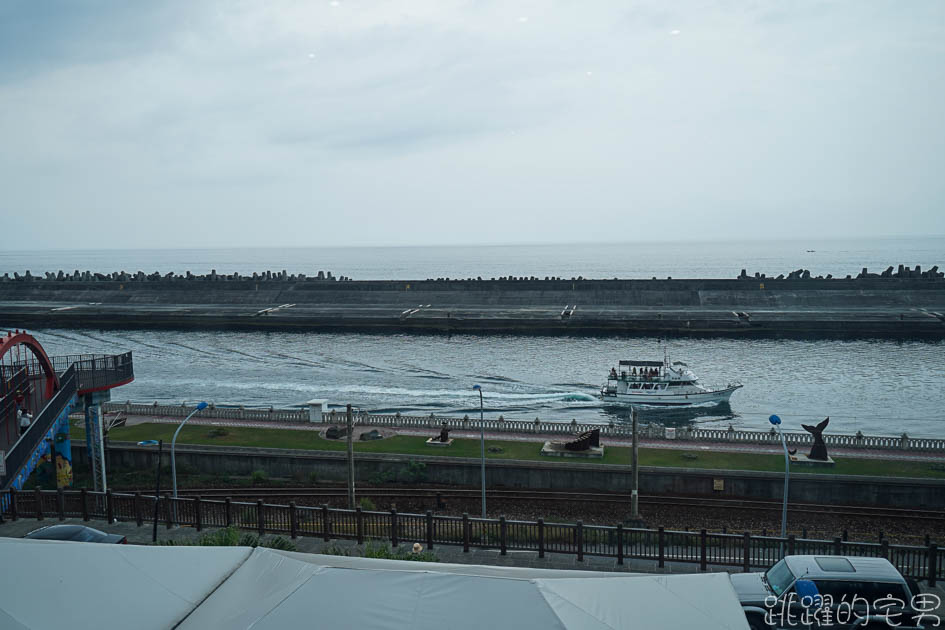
<point>385,551</point>
<point>335,550</point>
<point>259,476</point>
<point>232,537</point>
<point>313,477</point>
<point>367,504</point>
<point>382,477</point>
<point>414,471</point>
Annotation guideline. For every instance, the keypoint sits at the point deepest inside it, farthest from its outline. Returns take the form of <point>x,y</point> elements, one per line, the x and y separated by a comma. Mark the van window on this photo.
<point>780,577</point>
<point>845,590</point>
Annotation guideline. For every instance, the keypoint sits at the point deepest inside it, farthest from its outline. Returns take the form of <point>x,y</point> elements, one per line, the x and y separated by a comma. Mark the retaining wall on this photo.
<point>807,488</point>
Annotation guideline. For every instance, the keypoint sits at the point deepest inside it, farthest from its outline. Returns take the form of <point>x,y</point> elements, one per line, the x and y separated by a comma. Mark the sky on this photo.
<point>346,122</point>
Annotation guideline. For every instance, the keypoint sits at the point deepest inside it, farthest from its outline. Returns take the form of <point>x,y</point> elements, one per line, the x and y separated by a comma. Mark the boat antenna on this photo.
<point>665,356</point>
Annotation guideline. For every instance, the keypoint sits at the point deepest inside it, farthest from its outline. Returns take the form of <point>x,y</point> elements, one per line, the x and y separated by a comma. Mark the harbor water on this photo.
<point>874,386</point>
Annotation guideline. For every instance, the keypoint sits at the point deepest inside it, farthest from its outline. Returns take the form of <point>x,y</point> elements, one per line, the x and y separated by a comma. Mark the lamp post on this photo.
<point>634,474</point>
<point>157,483</point>
<point>482,449</point>
<point>200,406</point>
<point>776,422</point>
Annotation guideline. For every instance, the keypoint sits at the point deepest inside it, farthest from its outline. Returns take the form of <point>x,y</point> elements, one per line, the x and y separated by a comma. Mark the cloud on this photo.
<point>387,123</point>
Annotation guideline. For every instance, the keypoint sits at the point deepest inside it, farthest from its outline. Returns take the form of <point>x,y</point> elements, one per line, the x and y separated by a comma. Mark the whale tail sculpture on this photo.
<point>819,450</point>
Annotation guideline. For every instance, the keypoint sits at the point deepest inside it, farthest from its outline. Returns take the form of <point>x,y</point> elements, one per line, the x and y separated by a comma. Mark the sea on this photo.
<point>876,386</point>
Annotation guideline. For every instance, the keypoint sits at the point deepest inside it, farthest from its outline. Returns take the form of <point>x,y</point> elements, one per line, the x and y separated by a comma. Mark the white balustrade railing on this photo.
<point>501,425</point>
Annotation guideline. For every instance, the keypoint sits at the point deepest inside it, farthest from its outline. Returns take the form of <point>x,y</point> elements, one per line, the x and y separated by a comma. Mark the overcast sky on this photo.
<point>280,123</point>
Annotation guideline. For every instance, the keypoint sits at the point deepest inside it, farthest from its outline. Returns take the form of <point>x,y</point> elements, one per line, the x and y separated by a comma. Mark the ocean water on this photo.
<point>876,386</point>
<point>609,260</point>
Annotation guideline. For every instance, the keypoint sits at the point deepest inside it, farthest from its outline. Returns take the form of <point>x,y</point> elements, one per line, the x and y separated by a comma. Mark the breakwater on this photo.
<point>897,303</point>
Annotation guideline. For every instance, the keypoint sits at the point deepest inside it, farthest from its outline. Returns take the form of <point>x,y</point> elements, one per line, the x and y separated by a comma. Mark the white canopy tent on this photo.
<point>79,585</point>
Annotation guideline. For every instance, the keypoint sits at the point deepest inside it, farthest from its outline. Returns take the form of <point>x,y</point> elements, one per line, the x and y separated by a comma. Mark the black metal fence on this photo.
<point>26,444</point>
<point>741,551</point>
<point>94,371</point>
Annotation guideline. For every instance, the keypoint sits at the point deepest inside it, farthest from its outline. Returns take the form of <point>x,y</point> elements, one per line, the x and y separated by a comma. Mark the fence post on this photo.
<point>359,524</point>
<point>541,538</point>
<point>38,495</point>
<point>465,532</point>
<point>84,495</point>
<point>884,546</point>
<point>139,518</point>
<point>61,504</point>
<point>326,523</point>
<point>837,546</point>
<point>228,511</point>
<point>198,520</point>
<point>260,517</point>
<point>429,529</point>
<point>393,527</point>
<point>109,507</point>
<point>294,521</point>
<point>579,540</point>
<point>13,515</point>
<point>503,531</point>
<point>619,543</point>
<point>790,544</point>
<point>662,546</point>
<point>702,550</point>
<point>933,563</point>
<point>168,512</point>
<point>746,553</point>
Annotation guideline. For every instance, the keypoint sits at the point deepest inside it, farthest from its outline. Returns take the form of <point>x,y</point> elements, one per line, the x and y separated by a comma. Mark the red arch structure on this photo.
<point>15,349</point>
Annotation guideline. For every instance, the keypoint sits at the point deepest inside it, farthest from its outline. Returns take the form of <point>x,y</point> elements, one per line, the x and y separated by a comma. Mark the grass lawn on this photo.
<point>410,445</point>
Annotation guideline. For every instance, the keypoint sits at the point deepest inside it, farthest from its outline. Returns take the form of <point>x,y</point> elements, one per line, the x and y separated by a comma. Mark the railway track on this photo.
<point>446,494</point>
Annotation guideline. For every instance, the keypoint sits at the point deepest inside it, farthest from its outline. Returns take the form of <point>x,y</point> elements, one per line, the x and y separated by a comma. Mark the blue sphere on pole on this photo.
<point>774,420</point>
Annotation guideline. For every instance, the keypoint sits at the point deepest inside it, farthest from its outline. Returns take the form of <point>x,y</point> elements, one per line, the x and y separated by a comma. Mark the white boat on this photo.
<point>660,383</point>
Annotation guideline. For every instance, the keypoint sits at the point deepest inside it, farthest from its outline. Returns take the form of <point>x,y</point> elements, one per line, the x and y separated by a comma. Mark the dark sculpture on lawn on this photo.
<point>444,434</point>
<point>584,441</point>
<point>819,450</point>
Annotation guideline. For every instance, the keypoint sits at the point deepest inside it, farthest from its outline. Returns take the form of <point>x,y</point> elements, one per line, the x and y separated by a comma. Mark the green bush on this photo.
<point>259,476</point>
<point>382,477</point>
<point>413,472</point>
<point>367,504</point>
<point>336,550</point>
<point>385,551</point>
<point>313,477</point>
<point>232,537</point>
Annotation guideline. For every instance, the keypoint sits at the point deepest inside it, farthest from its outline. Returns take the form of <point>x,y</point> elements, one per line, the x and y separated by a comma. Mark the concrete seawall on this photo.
<point>806,488</point>
<point>748,306</point>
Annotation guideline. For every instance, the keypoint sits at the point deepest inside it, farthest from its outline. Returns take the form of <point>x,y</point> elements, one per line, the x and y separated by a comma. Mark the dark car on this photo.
<point>76,533</point>
<point>849,586</point>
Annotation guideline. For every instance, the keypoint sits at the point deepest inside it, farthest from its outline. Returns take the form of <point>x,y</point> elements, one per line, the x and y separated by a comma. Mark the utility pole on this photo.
<point>350,459</point>
<point>634,472</point>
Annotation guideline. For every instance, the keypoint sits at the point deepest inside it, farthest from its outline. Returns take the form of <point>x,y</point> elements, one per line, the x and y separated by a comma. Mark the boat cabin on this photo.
<point>651,375</point>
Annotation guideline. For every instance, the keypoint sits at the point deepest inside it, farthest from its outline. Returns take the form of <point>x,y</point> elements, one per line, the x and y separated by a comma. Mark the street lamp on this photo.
<point>200,406</point>
<point>776,422</point>
<point>157,483</point>
<point>482,449</point>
